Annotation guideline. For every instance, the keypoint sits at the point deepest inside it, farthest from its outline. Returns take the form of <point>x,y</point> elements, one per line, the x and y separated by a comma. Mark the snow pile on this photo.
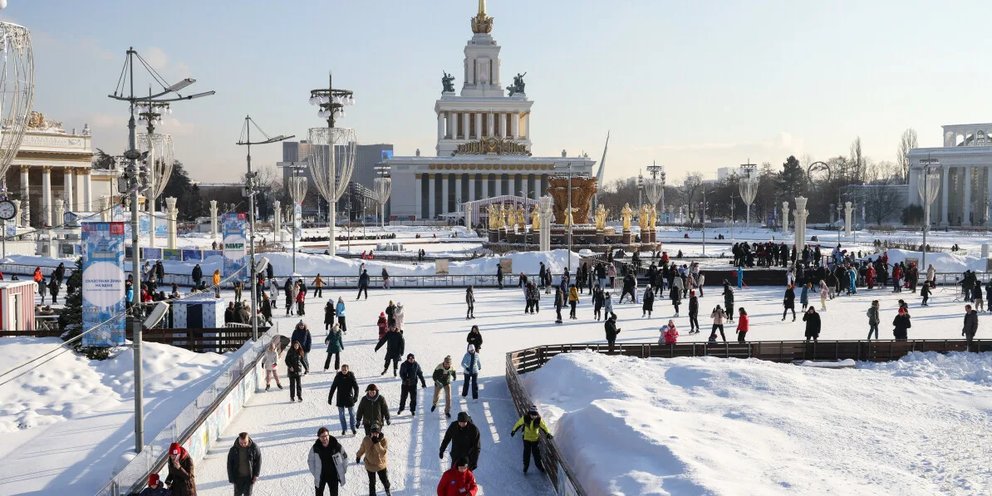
<point>943,262</point>
<point>72,385</point>
<point>716,426</point>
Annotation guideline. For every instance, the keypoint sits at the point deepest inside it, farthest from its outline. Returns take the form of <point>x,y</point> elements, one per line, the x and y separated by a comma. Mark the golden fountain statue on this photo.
<point>625,215</point>
<point>601,214</point>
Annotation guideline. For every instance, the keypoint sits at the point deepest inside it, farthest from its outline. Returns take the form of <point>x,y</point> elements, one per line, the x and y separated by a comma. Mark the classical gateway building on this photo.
<point>483,141</point>
<point>54,166</point>
<point>965,194</point>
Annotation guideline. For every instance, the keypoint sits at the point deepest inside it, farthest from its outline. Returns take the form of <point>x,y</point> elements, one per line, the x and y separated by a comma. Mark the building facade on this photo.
<point>483,141</point>
<point>53,166</point>
<point>965,194</point>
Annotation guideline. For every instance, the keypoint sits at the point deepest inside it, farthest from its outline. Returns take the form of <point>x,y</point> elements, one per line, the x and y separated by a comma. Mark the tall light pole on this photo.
<point>732,219</point>
<point>339,153</point>
<point>571,218</point>
<point>133,181</point>
<point>703,220</point>
<point>929,188</point>
<point>297,187</point>
<point>251,188</point>
<point>160,158</point>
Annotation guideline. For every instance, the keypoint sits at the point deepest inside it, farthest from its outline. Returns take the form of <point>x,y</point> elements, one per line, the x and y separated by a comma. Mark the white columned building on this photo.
<point>965,196</point>
<point>483,141</point>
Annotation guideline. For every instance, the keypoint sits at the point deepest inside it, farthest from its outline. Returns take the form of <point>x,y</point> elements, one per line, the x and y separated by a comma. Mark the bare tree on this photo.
<point>690,187</point>
<point>906,143</point>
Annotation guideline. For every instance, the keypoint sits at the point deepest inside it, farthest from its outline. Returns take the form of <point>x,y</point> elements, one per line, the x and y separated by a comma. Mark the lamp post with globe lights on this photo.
<point>332,152</point>
<point>929,188</point>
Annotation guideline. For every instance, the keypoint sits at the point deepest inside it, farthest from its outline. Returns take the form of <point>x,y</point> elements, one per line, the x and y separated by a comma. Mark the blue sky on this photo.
<point>692,85</point>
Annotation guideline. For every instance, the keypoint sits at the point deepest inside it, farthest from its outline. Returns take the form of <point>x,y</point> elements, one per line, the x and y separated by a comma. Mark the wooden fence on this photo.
<point>198,340</point>
<point>530,359</point>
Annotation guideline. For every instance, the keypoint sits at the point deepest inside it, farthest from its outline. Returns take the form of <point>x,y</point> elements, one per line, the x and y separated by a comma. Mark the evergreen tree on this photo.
<point>791,180</point>
<point>187,194</point>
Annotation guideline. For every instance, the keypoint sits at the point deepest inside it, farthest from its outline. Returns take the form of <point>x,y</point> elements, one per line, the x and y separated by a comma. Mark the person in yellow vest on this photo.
<point>216,282</point>
<point>532,425</point>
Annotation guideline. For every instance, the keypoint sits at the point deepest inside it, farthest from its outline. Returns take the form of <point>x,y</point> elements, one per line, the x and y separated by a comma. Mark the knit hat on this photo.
<point>462,462</point>
<point>462,417</point>
<point>471,348</point>
<point>153,480</point>
<point>447,359</point>
<point>175,449</point>
<point>409,355</point>
<point>532,409</point>
<point>382,314</point>
<point>371,387</point>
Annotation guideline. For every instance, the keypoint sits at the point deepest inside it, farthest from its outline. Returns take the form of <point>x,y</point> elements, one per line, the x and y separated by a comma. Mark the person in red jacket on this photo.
<point>458,481</point>
<point>742,325</point>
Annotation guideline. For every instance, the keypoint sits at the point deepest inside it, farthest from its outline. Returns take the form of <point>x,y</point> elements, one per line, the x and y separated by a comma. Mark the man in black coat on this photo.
<point>611,330</point>
<point>363,285</point>
<point>410,371</point>
<point>395,345</point>
<point>347,387</point>
<point>244,463</point>
<point>970,324</point>
<point>197,275</point>
<point>302,334</point>
<point>465,441</point>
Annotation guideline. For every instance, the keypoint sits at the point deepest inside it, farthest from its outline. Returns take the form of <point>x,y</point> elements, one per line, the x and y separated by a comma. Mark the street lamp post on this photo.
<point>702,219</point>
<point>132,182</point>
<point>160,158</point>
<point>251,188</point>
<point>571,218</point>
<point>331,183</point>
<point>297,192</point>
<point>732,220</point>
<point>748,186</point>
<point>929,188</point>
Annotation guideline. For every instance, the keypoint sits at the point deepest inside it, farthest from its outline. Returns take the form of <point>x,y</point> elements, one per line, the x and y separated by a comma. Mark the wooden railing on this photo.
<point>530,359</point>
<point>200,340</point>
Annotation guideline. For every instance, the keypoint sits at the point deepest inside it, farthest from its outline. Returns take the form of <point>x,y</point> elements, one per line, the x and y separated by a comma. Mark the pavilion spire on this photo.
<point>482,23</point>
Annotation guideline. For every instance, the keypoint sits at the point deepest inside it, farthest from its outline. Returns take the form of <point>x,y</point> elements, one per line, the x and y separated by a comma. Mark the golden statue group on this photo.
<point>510,218</point>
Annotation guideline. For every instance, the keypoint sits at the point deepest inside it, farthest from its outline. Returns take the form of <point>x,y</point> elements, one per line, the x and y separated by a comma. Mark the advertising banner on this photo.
<point>233,227</point>
<point>103,283</point>
<point>192,255</point>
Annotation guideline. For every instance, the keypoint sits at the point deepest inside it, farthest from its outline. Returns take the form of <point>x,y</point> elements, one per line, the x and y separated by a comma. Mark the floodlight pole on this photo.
<point>134,183</point>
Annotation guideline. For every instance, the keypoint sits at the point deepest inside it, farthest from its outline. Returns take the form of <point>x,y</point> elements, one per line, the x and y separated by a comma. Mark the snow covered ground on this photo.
<point>69,424</point>
<point>709,426</point>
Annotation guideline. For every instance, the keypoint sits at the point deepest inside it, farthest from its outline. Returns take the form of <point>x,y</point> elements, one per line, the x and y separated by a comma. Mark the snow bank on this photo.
<point>943,262</point>
<point>729,427</point>
<point>70,385</point>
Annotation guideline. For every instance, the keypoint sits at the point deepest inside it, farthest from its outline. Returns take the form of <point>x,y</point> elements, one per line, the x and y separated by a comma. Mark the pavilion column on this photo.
<point>499,184</point>
<point>485,186</point>
<point>46,196</point>
<point>79,187</point>
<point>440,126</point>
<point>471,189</point>
<point>88,191</point>
<point>966,205</point>
<point>465,126</point>
<point>443,208</point>
<point>25,197</point>
<point>68,180</point>
<point>478,125</point>
<point>419,205</point>
<point>502,124</point>
<point>988,196</point>
<point>945,173</point>
<point>431,208</point>
<point>514,125</point>
<point>490,123</point>
<point>459,197</point>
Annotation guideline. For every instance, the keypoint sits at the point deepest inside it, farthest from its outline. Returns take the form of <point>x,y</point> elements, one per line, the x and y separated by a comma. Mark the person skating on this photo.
<point>339,310</point>
<point>598,299</point>
<point>347,387</point>
<point>901,324</point>
<point>374,448</point>
<point>385,278</point>
<point>611,330</point>
<point>742,325</point>
<point>244,463</point>
<point>676,295</point>
<point>693,312</point>
<point>499,275</point>
<point>395,346</point>
<point>789,302</point>
<point>410,371</point>
<point>458,481</point>
<point>669,334</point>
<point>873,319</point>
<point>647,302</point>
<point>728,300</point>
<point>318,287</point>
<point>382,324</point>
<point>471,365</point>
<point>474,338</point>
<point>53,289</point>
<point>335,345</point>
<point>573,300</point>
<point>301,296</point>
<point>329,315</point>
<point>824,294</point>
<point>294,369</point>
<point>804,295</point>
<point>363,285</point>
<point>465,441</point>
<point>607,304</point>
<point>197,275</point>
<point>271,360</point>
<point>443,376</point>
<point>812,320</point>
<point>182,476</point>
<point>629,288</point>
<point>372,410</point>
<point>532,425</point>
<point>328,463</point>
<point>718,316</point>
<point>470,302</point>
<point>301,334</point>
<point>287,290</point>
<point>559,303</point>
<point>391,314</point>
<point>970,325</point>
<point>400,316</point>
